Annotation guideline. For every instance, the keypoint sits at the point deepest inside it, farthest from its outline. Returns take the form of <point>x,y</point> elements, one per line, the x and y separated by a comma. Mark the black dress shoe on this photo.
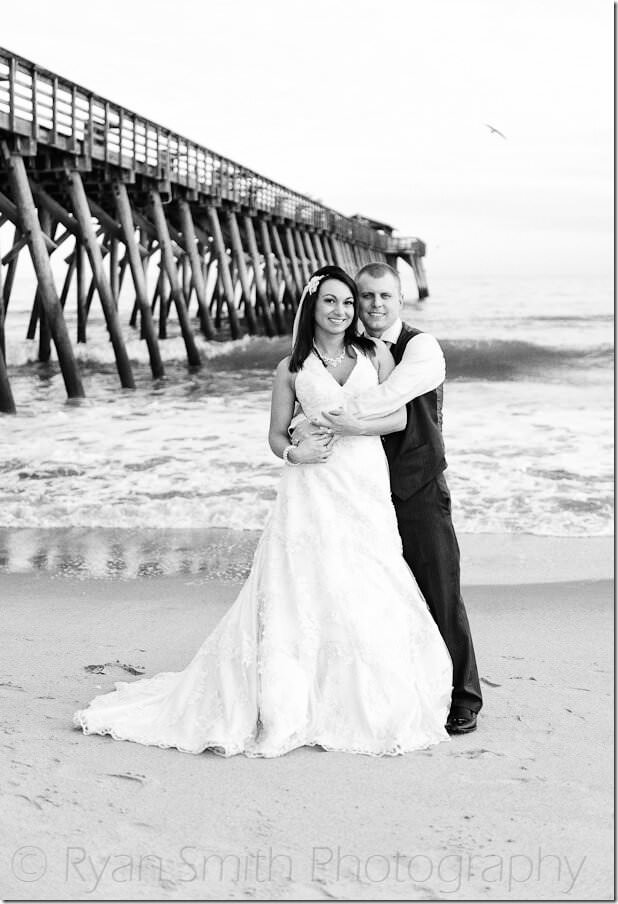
<point>461,721</point>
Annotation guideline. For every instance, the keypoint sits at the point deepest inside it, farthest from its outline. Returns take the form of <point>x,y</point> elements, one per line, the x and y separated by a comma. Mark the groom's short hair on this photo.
<point>378,269</point>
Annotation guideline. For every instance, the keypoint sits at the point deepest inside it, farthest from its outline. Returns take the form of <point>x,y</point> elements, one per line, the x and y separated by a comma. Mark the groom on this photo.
<point>416,464</point>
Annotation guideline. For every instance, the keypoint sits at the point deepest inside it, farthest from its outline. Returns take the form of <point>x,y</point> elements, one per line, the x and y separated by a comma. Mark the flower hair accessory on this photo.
<point>313,284</point>
<point>310,288</point>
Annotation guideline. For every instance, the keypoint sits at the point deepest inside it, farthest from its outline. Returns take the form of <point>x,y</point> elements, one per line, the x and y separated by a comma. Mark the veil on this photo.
<point>297,316</point>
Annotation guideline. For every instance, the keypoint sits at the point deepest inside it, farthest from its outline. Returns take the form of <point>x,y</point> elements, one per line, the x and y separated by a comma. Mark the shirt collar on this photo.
<point>392,333</point>
<point>389,335</point>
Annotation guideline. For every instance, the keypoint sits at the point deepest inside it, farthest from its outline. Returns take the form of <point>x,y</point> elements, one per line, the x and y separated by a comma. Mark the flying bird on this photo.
<point>497,131</point>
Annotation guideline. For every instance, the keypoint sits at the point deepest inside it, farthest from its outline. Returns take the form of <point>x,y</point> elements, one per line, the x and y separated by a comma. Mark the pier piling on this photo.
<point>168,264</point>
<point>225,279</point>
<point>125,216</point>
<point>48,228</point>
<point>272,278</point>
<point>7,402</point>
<point>190,238</point>
<point>93,250</point>
<point>290,288</point>
<point>260,285</point>
<point>38,248</point>
<point>243,275</point>
<point>289,244</point>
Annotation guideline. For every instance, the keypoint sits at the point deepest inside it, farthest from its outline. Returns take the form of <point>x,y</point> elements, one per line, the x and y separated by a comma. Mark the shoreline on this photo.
<point>226,554</point>
<point>521,808</point>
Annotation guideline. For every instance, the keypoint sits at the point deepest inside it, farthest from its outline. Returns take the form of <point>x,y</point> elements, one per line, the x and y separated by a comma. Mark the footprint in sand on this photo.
<point>131,776</point>
<point>30,800</point>
<point>99,669</point>
<point>477,752</point>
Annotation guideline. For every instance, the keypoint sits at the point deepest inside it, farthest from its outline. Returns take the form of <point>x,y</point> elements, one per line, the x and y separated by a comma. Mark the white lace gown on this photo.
<point>329,641</point>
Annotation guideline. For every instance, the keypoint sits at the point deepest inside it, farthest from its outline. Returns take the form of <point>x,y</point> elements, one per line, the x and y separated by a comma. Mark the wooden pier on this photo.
<point>233,249</point>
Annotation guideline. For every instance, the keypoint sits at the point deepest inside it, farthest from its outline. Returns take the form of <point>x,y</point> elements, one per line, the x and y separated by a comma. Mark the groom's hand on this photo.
<point>342,423</point>
<point>309,428</point>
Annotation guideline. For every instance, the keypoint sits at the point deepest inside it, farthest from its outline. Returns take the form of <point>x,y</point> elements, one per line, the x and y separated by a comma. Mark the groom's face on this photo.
<point>380,302</point>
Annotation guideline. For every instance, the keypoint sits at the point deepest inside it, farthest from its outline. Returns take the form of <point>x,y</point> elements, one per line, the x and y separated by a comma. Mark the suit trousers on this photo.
<point>431,550</point>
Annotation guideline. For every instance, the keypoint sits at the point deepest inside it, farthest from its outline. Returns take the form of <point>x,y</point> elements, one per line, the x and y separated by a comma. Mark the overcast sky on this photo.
<point>377,107</point>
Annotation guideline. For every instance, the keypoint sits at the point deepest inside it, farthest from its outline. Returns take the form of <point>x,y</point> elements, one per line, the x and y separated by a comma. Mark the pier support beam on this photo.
<point>2,317</point>
<point>322,257</point>
<point>298,278</point>
<point>10,212</point>
<point>301,257</point>
<point>260,285</point>
<point>37,245</point>
<point>67,282</point>
<point>243,275</point>
<point>93,250</point>
<point>225,277</point>
<point>336,255</point>
<point>7,402</point>
<point>114,274</point>
<point>285,270</point>
<point>272,277</point>
<point>188,230</point>
<point>416,262</point>
<point>48,228</point>
<point>349,259</point>
<point>355,258</point>
<point>10,272</point>
<point>81,290</point>
<point>313,263</point>
<point>168,265</point>
<point>125,216</point>
<point>343,254</point>
<point>160,296</point>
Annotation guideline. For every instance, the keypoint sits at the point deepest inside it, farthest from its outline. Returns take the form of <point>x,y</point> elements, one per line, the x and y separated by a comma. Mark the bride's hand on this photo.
<point>315,448</point>
<point>307,428</point>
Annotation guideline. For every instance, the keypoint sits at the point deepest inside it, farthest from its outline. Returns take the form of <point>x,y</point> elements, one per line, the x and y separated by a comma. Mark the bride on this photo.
<point>329,641</point>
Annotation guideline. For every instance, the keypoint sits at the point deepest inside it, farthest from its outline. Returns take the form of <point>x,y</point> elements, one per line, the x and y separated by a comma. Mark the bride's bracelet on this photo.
<point>286,453</point>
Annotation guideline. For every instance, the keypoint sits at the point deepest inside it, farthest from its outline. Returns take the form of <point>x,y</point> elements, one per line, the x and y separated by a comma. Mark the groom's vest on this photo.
<point>415,454</point>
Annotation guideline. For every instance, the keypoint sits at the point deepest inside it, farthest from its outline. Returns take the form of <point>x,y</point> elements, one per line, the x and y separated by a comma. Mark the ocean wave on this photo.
<point>574,318</point>
<point>497,359</point>
<point>466,358</point>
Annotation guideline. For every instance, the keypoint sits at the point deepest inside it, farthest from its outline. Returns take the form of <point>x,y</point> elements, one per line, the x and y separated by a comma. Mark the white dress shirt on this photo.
<point>421,369</point>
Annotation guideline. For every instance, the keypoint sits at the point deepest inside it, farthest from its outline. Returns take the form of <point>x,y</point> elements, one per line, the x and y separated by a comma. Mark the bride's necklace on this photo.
<point>329,362</point>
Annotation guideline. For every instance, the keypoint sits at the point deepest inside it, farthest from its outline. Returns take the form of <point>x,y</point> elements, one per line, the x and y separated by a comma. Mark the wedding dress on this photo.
<point>329,641</point>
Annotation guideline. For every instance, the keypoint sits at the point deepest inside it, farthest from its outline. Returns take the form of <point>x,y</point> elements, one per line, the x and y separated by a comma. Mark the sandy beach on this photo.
<point>520,809</point>
<point>189,198</point>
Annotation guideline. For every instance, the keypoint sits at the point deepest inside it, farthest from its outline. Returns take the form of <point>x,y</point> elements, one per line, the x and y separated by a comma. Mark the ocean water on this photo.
<point>528,419</point>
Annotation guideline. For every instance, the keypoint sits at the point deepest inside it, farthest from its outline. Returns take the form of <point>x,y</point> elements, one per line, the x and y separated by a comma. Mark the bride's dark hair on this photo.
<point>306,324</point>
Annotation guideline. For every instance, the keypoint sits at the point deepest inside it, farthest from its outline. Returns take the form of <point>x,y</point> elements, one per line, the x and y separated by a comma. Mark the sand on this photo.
<point>519,809</point>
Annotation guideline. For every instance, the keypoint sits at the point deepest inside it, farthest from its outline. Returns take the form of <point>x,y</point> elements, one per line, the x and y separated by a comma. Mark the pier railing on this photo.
<point>47,108</point>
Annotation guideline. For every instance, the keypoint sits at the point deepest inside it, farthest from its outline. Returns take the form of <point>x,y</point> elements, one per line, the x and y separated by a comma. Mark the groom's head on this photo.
<point>380,297</point>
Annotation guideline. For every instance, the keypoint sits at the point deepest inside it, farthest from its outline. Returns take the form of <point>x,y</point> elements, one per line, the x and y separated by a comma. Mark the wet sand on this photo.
<point>226,554</point>
<point>519,809</point>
